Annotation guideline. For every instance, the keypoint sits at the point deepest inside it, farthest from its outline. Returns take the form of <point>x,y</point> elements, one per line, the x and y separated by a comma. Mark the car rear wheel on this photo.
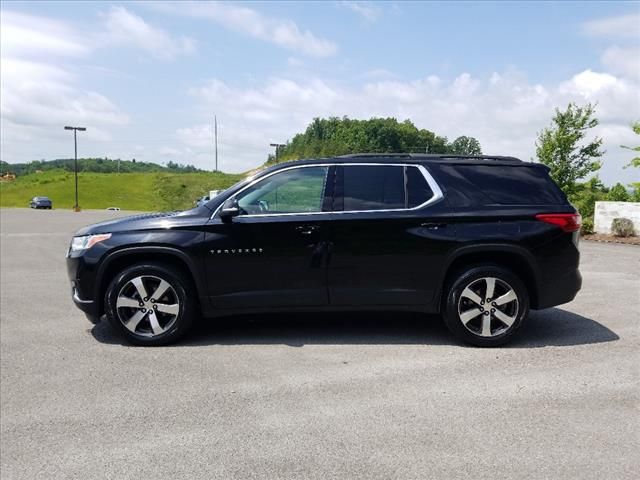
<point>486,305</point>
<point>148,304</point>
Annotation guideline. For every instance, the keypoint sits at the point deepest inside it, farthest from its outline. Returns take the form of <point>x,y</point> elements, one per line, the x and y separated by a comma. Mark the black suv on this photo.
<point>479,239</point>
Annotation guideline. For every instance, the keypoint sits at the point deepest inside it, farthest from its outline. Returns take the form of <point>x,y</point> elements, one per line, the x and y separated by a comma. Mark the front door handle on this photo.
<point>433,225</point>
<point>307,229</point>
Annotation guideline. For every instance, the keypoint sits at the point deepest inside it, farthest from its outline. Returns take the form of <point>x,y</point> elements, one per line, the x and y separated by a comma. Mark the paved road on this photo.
<point>339,396</point>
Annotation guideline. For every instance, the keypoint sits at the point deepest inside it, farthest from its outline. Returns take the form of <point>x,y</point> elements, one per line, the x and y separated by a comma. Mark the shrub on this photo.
<point>622,227</point>
<point>587,226</point>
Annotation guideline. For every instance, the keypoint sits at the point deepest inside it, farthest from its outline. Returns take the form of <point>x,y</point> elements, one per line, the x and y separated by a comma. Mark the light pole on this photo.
<point>215,136</point>
<point>76,208</point>
<point>278,147</point>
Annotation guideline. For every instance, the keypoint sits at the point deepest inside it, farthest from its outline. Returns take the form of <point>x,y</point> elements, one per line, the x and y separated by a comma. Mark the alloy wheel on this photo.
<point>147,305</point>
<point>488,307</point>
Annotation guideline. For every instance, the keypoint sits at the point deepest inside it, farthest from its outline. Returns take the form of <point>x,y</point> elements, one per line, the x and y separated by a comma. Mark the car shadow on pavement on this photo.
<point>551,327</point>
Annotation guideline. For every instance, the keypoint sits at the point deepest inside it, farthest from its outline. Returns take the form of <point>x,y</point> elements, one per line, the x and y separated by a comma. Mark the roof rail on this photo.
<point>443,156</point>
<point>377,154</point>
<point>476,157</point>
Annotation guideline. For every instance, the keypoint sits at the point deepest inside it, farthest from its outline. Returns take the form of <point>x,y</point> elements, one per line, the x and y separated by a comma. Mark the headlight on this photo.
<point>87,241</point>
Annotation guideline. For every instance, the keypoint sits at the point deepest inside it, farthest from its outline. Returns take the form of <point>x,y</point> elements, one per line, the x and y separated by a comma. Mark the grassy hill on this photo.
<point>129,191</point>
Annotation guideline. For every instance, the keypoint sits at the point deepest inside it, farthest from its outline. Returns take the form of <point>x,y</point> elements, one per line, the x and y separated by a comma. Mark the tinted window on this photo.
<point>293,191</point>
<point>370,187</point>
<point>418,190</point>
<point>526,185</point>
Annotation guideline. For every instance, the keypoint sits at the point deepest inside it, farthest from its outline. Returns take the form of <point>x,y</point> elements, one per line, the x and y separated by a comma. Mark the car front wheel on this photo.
<point>148,304</point>
<point>486,305</point>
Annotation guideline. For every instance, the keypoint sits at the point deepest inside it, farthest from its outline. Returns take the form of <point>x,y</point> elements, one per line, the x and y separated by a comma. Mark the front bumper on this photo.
<point>87,306</point>
<point>81,285</point>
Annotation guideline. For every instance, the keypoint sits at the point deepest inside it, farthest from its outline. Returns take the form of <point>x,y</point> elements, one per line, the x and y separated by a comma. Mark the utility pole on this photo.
<point>76,208</point>
<point>215,135</point>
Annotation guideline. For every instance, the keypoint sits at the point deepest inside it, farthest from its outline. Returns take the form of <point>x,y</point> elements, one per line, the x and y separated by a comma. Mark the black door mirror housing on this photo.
<point>229,210</point>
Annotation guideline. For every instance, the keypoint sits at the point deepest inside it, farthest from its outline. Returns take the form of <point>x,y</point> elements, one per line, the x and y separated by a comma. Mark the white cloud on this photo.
<point>43,98</point>
<point>622,26</point>
<point>36,93</point>
<point>504,111</point>
<point>279,31</point>
<point>623,60</point>
<point>44,63</point>
<point>125,28</point>
<point>618,59</point>
<point>40,90</point>
<point>588,84</point>
<point>366,10</point>
<point>25,35</point>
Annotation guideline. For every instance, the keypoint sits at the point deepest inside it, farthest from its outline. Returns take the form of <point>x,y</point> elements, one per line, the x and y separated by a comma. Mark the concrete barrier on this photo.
<point>607,211</point>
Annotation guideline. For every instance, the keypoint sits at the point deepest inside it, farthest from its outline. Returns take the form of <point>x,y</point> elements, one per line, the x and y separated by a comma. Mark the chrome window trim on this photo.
<point>435,188</point>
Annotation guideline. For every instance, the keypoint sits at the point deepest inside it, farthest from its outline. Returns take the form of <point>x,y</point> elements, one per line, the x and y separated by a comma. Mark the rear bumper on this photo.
<point>559,290</point>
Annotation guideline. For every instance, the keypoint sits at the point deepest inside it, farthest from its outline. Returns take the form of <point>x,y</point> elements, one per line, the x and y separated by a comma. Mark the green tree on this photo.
<point>326,137</point>
<point>618,193</point>
<point>635,162</point>
<point>466,146</point>
<point>564,149</point>
<point>585,195</point>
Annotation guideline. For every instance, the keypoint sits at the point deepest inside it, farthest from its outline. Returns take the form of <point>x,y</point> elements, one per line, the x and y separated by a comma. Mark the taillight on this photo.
<point>568,222</point>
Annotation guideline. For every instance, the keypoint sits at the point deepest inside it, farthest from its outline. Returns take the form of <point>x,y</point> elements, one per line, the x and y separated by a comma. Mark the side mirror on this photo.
<point>229,210</point>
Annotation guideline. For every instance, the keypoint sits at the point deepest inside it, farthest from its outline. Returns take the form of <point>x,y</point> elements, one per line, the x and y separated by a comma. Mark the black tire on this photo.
<point>170,327</point>
<point>475,330</point>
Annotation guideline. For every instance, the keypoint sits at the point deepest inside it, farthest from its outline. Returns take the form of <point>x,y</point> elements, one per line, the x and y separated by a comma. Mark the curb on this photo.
<point>610,241</point>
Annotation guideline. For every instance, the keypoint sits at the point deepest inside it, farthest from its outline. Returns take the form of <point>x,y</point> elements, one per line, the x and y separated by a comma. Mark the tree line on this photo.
<point>327,137</point>
<point>95,165</point>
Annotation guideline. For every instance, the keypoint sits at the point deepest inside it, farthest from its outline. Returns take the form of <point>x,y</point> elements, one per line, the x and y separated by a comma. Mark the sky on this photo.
<point>147,78</point>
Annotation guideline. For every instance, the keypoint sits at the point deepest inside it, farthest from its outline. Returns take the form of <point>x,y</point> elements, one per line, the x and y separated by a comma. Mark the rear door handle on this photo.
<point>433,226</point>
<point>307,229</point>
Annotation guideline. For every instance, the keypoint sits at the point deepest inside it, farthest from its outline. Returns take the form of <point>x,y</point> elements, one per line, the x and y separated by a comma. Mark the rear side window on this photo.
<point>507,185</point>
<point>382,187</point>
<point>368,187</point>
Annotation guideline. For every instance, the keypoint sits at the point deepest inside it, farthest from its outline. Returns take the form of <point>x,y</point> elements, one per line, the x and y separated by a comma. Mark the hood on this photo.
<point>149,221</point>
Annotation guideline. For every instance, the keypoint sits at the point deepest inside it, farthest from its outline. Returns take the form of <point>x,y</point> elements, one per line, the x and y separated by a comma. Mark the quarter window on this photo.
<point>299,190</point>
<point>418,190</point>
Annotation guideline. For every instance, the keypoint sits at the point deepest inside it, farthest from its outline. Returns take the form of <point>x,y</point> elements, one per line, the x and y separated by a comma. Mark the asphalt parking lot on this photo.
<point>335,396</point>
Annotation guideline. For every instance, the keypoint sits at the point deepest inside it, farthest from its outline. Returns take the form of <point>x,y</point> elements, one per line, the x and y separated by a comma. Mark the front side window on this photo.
<point>299,190</point>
